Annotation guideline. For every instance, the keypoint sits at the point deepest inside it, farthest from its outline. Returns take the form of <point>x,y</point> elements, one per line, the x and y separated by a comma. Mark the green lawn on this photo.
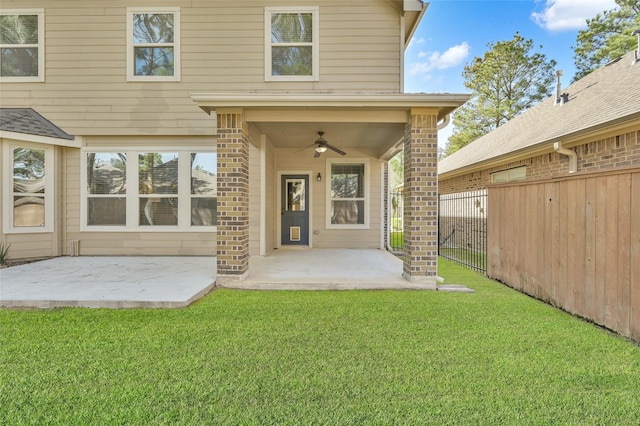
<point>334,357</point>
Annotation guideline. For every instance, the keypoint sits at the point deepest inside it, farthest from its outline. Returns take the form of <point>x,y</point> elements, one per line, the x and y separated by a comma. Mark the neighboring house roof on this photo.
<point>606,97</point>
<point>28,121</point>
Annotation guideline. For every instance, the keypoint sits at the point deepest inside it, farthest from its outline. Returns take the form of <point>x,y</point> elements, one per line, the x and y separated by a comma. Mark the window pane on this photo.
<point>158,211</point>
<point>28,170</point>
<point>291,28</point>
<point>106,173</point>
<point>18,29</point>
<point>204,211</point>
<point>347,181</point>
<point>347,212</point>
<point>19,62</point>
<point>28,211</point>
<point>292,60</point>
<point>154,61</point>
<point>295,195</point>
<point>107,211</point>
<point>204,168</point>
<point>158,173</point>
<point>153,28</point>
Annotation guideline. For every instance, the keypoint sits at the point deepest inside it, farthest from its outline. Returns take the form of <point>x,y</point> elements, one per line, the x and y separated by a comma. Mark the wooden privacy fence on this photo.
<point>573,242</point>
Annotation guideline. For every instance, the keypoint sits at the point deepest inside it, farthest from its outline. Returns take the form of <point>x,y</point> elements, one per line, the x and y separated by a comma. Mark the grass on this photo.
<point>396,239</point>
<point>343,357</point>
<point>473,258</point>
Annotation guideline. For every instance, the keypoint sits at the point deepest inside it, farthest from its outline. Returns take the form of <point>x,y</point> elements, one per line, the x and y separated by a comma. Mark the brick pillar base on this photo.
<point>421,198</point>
<point>233,198</point>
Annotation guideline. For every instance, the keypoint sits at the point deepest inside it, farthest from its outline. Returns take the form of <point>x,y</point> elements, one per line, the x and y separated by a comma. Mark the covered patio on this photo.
<point>175,282</point>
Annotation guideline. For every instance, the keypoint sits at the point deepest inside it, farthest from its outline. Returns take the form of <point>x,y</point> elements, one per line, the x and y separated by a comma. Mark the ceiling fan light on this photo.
<point>321,149</point>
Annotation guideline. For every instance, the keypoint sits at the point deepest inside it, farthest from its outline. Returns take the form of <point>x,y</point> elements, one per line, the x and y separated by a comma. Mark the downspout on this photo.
<point>573,157</point>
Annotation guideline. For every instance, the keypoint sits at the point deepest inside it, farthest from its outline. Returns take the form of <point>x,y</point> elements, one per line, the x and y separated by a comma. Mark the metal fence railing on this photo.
<point>396,226</point>
<point>462,227</point>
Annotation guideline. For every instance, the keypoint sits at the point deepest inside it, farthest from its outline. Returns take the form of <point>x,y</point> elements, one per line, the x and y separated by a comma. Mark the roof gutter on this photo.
<point>575,138</point>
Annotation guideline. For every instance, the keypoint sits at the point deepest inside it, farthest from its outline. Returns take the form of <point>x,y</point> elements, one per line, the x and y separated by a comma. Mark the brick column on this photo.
<point>233,197</point>
<point>421,198</point>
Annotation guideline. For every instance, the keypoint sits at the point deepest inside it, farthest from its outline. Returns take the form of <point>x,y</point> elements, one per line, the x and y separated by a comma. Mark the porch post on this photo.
<point>420,197</point>
<point>233,197</point>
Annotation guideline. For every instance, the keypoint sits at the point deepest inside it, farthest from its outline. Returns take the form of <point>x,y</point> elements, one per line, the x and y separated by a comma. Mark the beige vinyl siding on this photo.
<point>26,246</point>
<point>271,201</point>
<point>255,179</point>
<point>126,243</point>
<point>222,44</point>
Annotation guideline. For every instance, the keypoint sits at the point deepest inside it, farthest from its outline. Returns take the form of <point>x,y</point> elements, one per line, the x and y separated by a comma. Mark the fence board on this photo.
<point>590,248</point>
<point>600,238</point>
<point>634,290</point>
<point>579,247</point>
<point>611,244</point>
<point>624,251</point>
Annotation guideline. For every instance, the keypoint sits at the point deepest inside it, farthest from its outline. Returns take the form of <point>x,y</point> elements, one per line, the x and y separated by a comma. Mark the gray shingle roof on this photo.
<point>604,97</point>
<point>26,120</point>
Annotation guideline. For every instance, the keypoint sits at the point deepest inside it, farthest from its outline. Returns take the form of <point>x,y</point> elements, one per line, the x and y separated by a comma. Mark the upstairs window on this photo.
<point>22,45</point>
<point>291,50</point>
<point>153,45</point>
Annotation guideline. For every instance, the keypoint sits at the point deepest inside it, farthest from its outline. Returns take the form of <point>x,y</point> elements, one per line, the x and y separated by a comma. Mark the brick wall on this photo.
<point>612,152</point>
<point>421,199</point>
<point>233,196</point>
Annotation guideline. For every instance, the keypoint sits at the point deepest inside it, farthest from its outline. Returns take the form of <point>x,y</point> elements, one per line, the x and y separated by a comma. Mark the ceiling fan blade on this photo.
<point>338,150</point>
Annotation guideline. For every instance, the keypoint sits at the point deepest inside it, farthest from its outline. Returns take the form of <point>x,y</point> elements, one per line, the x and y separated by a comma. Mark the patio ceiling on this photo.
<point>374,137</point>
<point>370,122</point>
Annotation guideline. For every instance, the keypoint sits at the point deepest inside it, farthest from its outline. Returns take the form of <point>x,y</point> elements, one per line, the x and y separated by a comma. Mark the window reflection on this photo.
<point>295,195</point>
<point>158,173</point>
<point>28,187</point>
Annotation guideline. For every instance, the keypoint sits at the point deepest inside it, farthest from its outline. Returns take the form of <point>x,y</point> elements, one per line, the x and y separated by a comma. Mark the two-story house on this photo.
<point>213,128</point>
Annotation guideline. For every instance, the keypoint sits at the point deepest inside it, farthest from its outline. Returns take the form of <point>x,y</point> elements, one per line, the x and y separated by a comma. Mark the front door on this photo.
<point>295,210</point>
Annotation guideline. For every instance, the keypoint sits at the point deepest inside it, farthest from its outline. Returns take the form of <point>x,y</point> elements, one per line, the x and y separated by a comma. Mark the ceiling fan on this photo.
<point>322,145</point>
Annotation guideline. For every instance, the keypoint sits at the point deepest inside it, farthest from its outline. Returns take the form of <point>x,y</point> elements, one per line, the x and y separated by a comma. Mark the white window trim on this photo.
<point>41,56</point>
<point>176,45</point>
<point>268,64</point>
<point>184,192</point>
<point>7,179</point>
<point>367,196</point>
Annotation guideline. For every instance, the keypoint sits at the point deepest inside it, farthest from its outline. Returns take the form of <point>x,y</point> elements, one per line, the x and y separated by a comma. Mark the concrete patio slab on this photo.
<point>174,282</point>
<point>108,282</point>
<point>322,269</point>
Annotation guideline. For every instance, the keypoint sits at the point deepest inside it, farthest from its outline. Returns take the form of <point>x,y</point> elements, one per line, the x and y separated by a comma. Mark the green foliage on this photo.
<point>607,37</point>
<point>508,79</point>
<point>332,357</point>
<point>396,166</point>
<point>4,252</point>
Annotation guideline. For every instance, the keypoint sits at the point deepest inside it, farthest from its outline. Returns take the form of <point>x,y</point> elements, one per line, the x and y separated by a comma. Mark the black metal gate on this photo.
<point>462,228</point>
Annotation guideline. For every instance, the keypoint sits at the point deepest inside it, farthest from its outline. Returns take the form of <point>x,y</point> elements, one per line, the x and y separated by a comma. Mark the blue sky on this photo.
<point>453,32</point>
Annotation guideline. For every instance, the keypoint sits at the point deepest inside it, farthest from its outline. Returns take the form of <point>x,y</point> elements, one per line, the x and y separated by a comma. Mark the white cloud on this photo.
<point>453,56</point>
<point>416,41</point>
<point>566,15</point>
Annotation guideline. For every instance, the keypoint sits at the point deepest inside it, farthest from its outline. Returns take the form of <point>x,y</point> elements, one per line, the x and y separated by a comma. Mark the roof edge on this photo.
<point>544,147</point>
<point>210,101</point>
